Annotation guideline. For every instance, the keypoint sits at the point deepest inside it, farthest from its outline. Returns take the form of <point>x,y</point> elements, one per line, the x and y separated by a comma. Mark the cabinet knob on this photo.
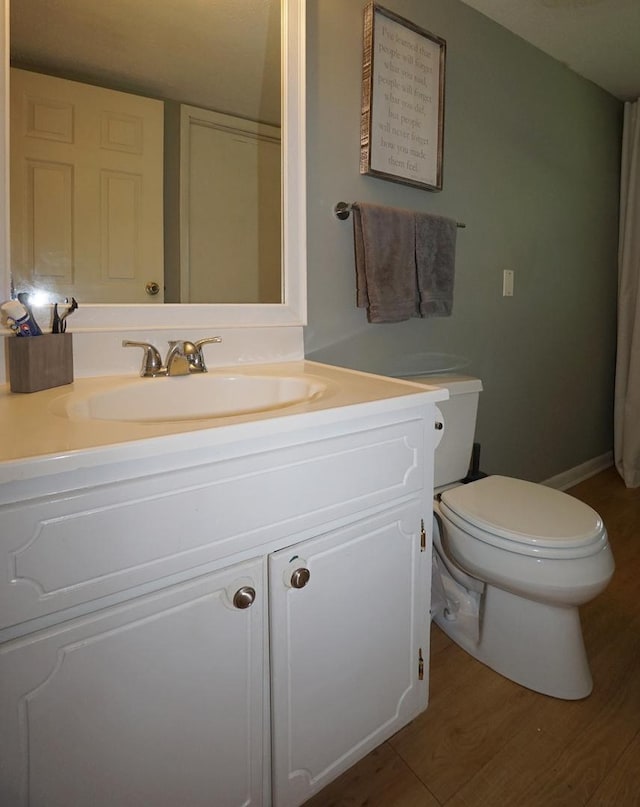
<point>244,597</point>
<point>300,577</point>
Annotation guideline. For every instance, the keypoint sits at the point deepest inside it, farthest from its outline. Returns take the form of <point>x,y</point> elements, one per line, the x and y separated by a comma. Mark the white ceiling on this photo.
<point>599,39</point>
<point>222,55</point>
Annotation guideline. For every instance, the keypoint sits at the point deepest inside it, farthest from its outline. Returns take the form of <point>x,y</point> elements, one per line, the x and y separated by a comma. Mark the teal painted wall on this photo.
<point>531,165</point>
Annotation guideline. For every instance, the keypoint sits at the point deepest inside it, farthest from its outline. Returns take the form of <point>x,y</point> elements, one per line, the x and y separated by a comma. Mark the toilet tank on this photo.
<point>453,452</point>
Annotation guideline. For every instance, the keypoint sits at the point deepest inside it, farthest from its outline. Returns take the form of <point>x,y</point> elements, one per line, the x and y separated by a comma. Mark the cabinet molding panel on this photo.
<point>117,699</point>
<point>63,551</point>
<point>345,676</point>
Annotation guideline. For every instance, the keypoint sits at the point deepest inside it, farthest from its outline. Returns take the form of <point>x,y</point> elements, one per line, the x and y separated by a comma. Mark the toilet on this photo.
<point>512,560</point>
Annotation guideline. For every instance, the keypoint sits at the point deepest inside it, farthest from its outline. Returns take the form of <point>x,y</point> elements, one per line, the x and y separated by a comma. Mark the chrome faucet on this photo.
<point>183,358</point>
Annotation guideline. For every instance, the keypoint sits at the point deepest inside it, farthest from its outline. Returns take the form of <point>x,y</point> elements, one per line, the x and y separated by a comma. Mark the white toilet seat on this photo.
<point>525,518</point>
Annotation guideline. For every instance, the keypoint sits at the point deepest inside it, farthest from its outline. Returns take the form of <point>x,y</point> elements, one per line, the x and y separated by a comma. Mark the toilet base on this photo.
<point>535,644</point>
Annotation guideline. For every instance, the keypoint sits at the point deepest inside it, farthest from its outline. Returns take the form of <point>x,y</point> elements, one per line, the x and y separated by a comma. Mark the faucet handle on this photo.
<point>207,340</point>
<point>198,359</point>
<point>151,360</point>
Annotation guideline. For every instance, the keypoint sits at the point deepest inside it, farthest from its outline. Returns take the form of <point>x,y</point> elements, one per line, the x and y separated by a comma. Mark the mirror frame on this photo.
<point>169,316</point>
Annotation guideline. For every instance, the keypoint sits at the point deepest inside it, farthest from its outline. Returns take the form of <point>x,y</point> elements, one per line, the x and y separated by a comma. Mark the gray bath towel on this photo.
<point>435,262</point>
<point>385,249</point>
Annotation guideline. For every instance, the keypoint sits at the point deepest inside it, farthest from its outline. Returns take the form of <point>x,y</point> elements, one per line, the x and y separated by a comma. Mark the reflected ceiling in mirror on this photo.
<point>210,74</point>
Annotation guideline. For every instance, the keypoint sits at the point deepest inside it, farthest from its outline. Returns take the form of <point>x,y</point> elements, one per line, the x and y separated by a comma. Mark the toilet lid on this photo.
<point>525,512</point>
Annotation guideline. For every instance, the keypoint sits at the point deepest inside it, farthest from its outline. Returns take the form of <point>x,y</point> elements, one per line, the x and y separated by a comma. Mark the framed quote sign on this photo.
<point>402,123</point>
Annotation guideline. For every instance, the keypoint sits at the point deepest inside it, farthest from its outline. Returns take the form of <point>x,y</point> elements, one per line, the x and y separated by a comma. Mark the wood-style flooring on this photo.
<point>487,742</point>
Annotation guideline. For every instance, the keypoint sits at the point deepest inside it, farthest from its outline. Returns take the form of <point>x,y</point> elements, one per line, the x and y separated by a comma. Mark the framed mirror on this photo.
<point>284,297</point>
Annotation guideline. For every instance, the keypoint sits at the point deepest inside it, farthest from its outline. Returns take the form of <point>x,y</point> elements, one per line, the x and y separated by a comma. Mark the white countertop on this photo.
<point>35,441</point>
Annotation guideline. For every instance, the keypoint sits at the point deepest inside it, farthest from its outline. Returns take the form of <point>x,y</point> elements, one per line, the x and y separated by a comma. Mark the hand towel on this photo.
<point>385,249</point>
<point>435,263</point>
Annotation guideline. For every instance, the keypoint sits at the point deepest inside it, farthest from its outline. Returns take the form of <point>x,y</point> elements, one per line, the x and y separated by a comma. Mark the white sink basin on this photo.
<point>193,397</point>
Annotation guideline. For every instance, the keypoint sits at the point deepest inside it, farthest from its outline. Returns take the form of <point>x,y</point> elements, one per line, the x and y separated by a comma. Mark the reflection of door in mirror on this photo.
<point>86,190</point>
<point>230,209</point>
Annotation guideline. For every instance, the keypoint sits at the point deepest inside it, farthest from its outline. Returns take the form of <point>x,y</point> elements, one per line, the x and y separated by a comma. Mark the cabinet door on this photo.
<point>346,647</point>
<point>158,701</point>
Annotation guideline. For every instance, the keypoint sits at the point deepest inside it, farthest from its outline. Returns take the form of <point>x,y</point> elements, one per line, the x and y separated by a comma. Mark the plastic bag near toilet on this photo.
<point>453,603</point>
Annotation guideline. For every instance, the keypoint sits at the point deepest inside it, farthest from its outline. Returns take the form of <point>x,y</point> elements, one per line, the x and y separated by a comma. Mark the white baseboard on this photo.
<point>581,472</point>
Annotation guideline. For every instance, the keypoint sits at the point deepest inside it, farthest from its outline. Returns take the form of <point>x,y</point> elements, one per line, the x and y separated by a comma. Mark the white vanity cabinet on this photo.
<point>130,672</point>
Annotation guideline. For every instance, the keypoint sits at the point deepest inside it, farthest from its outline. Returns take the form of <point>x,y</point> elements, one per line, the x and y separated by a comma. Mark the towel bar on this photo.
<point>342,211</point>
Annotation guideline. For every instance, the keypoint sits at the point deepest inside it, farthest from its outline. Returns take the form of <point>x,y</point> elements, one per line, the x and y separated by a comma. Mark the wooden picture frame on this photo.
<point>402,123</point>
